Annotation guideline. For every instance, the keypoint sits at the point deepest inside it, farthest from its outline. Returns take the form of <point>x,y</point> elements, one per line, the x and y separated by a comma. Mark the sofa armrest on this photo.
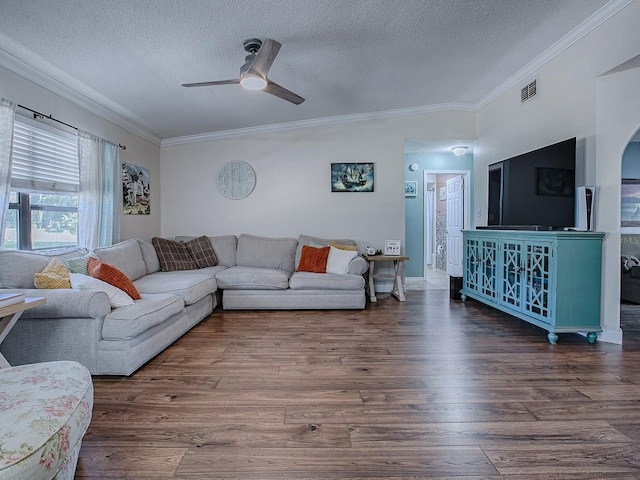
<point>67,303</point>
<point>358,265</point>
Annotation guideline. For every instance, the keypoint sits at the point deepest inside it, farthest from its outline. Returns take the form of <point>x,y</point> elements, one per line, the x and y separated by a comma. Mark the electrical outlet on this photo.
<point>479,212</point>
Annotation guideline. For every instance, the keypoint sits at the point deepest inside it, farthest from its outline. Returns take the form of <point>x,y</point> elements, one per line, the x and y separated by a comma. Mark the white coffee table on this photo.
<point>10,314</point>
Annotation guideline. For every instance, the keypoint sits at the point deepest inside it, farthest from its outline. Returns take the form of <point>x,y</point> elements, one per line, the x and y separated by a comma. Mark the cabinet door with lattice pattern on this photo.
<point>511,274</point>
<point>537,280</point>
<point>488,273</point>
<point>472,264</point>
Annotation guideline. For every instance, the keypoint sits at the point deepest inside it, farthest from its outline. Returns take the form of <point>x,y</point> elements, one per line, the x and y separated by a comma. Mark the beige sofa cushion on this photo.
<point>149,256</point>
<point>266,252</point>
<point>190,285</point>
<point>125,256</point>
<point>17,268</point>
<point>252,278</point>
<point>128,322</point>
<point>325,281</point>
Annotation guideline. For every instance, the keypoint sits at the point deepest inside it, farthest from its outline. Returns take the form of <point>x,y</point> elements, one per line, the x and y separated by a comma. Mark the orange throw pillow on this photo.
<point>313,259</point>
<point>110,274</point>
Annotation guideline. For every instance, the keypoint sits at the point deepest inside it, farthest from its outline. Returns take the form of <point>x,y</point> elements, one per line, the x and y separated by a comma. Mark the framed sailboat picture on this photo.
<point>352,177</point>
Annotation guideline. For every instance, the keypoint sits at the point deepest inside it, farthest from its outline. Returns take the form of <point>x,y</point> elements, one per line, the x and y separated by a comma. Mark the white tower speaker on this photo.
<point>585,208</point>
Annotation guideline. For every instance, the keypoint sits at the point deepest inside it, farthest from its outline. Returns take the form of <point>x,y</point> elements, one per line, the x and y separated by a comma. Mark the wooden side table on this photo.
<point>398,289</point>
<point>10,314</point>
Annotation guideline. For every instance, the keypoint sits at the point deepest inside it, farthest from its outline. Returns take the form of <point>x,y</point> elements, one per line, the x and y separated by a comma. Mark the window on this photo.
<point>43,206</point>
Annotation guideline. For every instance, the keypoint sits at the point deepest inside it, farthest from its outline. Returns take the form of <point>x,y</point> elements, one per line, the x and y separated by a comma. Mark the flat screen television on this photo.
<point>535,190</point>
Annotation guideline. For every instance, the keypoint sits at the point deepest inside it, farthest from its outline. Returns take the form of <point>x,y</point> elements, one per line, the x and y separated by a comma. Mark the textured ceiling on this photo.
<point>346,57</point>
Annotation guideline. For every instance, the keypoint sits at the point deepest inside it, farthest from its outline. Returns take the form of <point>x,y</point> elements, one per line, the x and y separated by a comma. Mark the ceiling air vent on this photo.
<point>528,91</point>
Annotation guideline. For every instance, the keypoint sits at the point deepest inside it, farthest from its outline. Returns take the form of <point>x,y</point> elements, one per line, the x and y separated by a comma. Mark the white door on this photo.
<point>430,227</point>
<point>455,222</point>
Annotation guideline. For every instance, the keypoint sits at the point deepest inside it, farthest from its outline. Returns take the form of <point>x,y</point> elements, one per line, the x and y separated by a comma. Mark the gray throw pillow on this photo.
<point>79,264</point>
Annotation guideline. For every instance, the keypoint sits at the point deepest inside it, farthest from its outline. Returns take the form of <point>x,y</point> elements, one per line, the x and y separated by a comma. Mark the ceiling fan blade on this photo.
<point>265,57</point>
<point>275,89</point>
<point>207,84</point>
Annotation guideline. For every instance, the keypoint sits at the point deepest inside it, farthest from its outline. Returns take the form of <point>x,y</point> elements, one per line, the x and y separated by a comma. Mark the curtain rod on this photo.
<point>38,115</point>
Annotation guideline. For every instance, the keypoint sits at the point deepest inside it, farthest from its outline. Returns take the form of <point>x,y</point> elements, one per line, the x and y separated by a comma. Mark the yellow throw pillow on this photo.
<point>54,275</point>
<point>350,248</point>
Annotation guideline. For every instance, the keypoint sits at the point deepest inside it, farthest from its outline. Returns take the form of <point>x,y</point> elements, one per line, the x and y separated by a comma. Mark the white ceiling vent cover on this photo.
<point>529,91</point>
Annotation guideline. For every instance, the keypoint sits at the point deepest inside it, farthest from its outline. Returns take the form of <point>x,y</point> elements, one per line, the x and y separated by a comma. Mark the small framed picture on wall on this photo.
<point>410,189</point>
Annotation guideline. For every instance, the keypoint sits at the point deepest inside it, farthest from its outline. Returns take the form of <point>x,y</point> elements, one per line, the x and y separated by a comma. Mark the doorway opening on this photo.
<point>630,239</point>
<point>447,211</point>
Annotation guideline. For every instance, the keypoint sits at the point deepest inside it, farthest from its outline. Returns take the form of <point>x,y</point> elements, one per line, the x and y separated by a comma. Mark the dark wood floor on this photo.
<point>429,388</point>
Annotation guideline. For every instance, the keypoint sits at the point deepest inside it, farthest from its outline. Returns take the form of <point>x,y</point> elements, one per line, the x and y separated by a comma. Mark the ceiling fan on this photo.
<point>253,74</point>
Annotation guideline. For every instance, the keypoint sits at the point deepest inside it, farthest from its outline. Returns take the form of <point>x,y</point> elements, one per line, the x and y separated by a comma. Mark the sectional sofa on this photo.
<point>87,325</point>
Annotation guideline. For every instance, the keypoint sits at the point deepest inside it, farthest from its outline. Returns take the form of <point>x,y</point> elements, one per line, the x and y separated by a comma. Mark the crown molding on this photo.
<point>21,68</point>
<point>318,122</point>
<point>30,73</point>
<point>593,22</point>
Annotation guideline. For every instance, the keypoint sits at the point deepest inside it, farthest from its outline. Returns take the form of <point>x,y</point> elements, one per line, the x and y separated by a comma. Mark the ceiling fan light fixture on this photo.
<point>253,82</point>
<point>254,71</point>
<point>459,151</point>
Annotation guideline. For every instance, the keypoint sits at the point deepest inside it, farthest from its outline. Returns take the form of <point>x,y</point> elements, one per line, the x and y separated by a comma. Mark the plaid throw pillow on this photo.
<point>173,255</point>
<point>202,252</point>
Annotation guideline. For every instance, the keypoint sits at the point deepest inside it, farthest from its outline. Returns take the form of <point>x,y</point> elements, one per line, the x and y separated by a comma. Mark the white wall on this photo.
<point>618,119</point>
<point>293,190</point>
<point>566,107</point>
<point>139,151</point>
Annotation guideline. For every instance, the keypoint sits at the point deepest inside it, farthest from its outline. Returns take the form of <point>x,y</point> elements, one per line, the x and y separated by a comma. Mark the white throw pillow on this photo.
<point>117,298</point>
<point>339,260</point>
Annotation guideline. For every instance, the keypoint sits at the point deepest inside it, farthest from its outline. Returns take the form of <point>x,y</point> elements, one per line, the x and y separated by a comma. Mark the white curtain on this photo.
<point>7,115</point>
<point>99,192</point>
<point>429,221</point>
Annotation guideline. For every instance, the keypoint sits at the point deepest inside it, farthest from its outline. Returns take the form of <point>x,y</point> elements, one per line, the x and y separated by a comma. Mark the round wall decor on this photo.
<point>236,180</point>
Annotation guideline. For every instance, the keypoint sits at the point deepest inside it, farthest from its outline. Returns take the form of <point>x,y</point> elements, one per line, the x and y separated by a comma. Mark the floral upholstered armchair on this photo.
<point>45,410</point>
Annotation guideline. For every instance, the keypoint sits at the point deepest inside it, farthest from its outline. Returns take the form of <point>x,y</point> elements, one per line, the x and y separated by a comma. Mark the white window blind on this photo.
<point>45,159</point>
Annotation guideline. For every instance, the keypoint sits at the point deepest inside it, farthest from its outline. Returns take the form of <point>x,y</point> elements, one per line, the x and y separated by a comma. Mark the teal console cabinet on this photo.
<point>549,279</point>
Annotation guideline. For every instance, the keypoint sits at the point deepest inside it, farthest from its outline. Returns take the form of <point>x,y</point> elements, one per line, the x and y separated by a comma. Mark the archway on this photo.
<point>617,121</point>
<point>630,237</point>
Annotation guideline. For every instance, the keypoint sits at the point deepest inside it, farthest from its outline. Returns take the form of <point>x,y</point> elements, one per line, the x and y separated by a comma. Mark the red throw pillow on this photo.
<point>110,274</point>
<point>313,259</point>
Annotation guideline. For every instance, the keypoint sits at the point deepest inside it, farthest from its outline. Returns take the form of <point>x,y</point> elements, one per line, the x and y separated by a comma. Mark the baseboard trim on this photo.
<point>609,336</point>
